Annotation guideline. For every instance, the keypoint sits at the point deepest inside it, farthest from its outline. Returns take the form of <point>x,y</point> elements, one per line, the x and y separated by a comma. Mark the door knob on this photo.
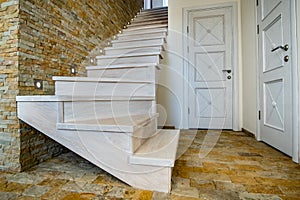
<point>286,58</point>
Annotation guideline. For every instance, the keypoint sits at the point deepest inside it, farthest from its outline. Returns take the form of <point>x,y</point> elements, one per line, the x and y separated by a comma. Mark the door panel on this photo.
<point>268,6</point>
<point>210,69</point>
<point>275,74</point>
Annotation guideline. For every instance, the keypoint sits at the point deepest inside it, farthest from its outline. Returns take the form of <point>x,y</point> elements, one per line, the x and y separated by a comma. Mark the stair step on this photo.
<point>126,124</point>
<point>90,86</point>
<point>159,150</point>
<point>67,98</point>
<point>146,17</point>
<point>138,42</point>
<point>146,37</point>
<point>145,73</point>
<point>98,80</point>
<point>121,51</point>
<point>153,12</point>
<point>142,36</point>
<point>121,66</point>
<point>141,57</point>
<point>147,23</point>
<point>139,32</point>
<point>150,19</point>
<point>128,132</point>
<point>156,9</point>
<point>132,29</point>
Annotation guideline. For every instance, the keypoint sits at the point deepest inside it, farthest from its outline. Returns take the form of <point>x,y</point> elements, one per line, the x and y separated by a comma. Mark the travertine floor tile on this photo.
<point>235,167</point>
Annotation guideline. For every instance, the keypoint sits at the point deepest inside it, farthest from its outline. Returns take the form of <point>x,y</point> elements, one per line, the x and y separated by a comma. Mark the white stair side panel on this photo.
<point>104,89</point>
<point>138,73</point>
<point>131,59</point>
<point>139,176</point>
<point>80,111</point>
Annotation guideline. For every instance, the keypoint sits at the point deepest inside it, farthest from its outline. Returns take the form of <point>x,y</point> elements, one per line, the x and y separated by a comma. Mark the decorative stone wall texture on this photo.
<point>44,38</point>
<point>9,126</point>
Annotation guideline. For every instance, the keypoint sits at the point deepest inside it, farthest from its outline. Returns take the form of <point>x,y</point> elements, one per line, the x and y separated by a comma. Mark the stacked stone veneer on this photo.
<point>40,39</point>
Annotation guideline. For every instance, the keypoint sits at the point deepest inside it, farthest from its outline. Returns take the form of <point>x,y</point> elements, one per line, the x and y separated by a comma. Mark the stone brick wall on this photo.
<point>9,126</point>
<point>53,36</point>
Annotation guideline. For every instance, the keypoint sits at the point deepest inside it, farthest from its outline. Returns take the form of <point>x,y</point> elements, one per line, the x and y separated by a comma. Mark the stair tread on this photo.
<point>61,98</point>
<point>129,55</point>
<point>117,124</point>
<point>97,79</point>
<point>133,65</point>
<point>159,150</point>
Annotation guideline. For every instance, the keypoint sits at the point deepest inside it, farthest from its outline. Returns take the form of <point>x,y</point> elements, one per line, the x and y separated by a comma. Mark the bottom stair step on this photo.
<point>159,150</point>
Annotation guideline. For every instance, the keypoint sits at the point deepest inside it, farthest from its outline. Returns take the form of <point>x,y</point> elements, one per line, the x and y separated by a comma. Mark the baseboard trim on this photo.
<point>166,127</point>
<point>249,133</point>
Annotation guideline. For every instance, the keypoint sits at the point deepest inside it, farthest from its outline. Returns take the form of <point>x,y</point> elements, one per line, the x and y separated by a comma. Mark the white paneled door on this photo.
<point>275,73</point>
<point>210,43</point>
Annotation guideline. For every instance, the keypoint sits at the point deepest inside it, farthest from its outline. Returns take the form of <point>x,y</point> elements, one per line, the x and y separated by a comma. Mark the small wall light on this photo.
<point>38,84</point>
<point>73,70</point>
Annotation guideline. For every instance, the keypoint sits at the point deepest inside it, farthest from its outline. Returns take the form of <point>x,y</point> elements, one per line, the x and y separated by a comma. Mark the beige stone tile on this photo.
<point>266,189</point>
<point>186,192</point>
<point>245,180</point>
<point>200,184</point>
<point>210,177</point>
<point>252,196</point>
<point>225,186</point>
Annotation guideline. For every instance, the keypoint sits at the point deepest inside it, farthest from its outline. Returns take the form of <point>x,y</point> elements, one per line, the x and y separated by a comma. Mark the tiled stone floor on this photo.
<point>237,167</point>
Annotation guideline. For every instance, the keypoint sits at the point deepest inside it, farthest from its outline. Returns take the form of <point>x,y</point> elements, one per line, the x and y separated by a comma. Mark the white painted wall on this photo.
<point>171,97</point>
<point>249,65</point>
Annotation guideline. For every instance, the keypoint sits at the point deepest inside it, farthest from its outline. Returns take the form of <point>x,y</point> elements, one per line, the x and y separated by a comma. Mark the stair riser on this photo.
<point>140,73</point>
<point>147,13</point>
<point>103,89</point>
<point>116,51</point>
<point>134,29</point>
<point>143,36</point>
<point>148,23</point>
<point>149,19</point>
<point>138,43</point>
<point>91,110</point>
<point>126,60</point>
<point>146,31</point>
<point>142,134</point>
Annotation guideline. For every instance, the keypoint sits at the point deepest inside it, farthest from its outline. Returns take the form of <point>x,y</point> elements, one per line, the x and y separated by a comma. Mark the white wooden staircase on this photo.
<point>109,117</point>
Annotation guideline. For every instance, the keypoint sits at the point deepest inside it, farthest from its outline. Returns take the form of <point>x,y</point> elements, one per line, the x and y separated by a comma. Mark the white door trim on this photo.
<point>235,87</point>
<point>295,83</point>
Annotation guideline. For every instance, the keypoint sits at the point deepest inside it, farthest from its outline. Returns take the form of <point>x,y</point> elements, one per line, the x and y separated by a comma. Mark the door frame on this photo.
<point>235,60</point>
<point>295,82</point>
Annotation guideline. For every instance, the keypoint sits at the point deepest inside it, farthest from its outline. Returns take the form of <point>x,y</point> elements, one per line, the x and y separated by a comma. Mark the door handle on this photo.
<point>285,47</point>
<point>227,70</point>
